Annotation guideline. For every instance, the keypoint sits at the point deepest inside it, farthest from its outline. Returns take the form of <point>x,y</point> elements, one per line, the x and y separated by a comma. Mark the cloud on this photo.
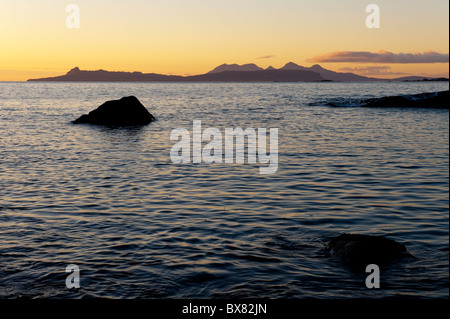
<point>266,57</point>
<point>371,70</point>
<point>380,56</point>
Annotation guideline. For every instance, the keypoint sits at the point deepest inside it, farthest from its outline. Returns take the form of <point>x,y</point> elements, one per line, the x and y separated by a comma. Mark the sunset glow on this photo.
<point>193,37</point>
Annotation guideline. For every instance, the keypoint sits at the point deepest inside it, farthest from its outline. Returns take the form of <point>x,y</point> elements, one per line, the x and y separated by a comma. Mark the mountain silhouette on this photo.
<point>235,67</point>
<point>292,66</point>
<point>232,73</point>
<point>329,75</point>
<point>259,76</point>
<point>290,72</point>
<point>341,77</point>
<point>107,76</point>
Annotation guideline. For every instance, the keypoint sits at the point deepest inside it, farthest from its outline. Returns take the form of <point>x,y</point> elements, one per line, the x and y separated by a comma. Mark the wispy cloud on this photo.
<point>266,57</point>
<point>371,70</point>
<point>380,56</point>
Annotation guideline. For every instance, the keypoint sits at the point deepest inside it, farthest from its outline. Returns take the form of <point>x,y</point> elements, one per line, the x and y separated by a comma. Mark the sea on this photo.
<point>111,203</point>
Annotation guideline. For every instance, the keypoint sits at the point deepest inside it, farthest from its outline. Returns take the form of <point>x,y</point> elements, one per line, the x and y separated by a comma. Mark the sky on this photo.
<point>194,36</point>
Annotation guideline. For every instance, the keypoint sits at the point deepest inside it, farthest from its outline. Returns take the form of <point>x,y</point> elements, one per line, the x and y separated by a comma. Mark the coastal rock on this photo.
<point>124,112</point>
<point>361,250</point>
<point>425,100</point>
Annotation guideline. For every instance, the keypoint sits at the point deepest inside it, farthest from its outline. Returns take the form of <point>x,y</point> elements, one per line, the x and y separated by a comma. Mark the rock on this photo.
<point>438,100</point>
<point>124,112</point>
<point>362,250</point>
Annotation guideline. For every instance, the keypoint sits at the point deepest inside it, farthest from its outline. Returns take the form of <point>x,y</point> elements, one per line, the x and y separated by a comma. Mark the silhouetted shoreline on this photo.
<point>291,72</point>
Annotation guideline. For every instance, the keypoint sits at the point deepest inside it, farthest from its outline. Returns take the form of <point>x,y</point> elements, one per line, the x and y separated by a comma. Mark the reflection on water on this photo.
<point>110,200</point>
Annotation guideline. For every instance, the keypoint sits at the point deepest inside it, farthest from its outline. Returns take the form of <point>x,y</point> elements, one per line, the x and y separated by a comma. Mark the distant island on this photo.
<point>291,72</point>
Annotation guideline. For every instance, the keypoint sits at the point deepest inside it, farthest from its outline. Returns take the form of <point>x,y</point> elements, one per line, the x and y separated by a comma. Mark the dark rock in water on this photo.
<point>124,112</point>
<point>362,250</point>
<point>440,100</point>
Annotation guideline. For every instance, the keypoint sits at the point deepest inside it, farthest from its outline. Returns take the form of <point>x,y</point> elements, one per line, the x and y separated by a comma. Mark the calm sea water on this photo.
<point>138,226</point>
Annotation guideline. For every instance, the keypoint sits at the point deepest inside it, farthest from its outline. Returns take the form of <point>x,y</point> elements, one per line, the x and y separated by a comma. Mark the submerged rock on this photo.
<point>440,100</point>
<point>124,112</point>
<point>362,250</point>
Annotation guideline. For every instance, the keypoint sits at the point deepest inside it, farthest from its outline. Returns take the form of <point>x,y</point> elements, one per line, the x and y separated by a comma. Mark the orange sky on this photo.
<point>194,36</point>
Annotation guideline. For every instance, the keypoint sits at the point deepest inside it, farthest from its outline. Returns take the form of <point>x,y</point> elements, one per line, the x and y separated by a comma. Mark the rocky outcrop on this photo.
<point>361,250</point>
<point>424,100</point>
<point>124,112</point>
